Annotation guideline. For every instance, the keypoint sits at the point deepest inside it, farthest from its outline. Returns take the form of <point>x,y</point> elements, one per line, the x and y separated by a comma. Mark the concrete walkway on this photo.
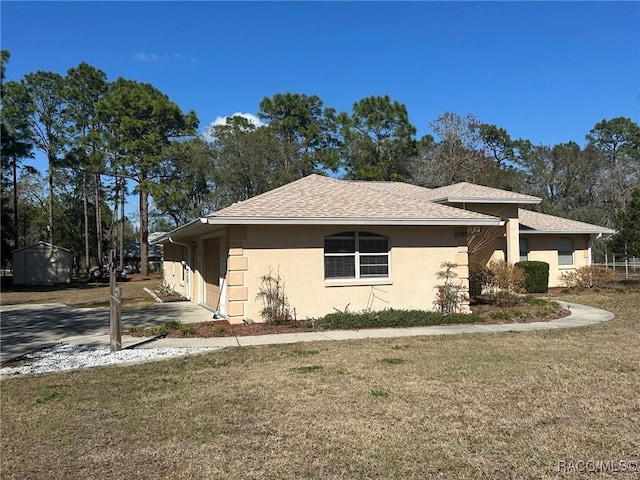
<point>25,328</point>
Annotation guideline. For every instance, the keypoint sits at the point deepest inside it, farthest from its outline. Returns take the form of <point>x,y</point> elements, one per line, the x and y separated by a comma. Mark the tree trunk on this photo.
<point>121,239</point>
<point>85,205</point>
<point>51,161</point>
<point>16,235</point>
<point>99,218</point>
<point>144,232</point>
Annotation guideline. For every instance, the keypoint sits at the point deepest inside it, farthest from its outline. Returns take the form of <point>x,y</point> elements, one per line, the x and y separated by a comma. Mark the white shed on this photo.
<point>41,264</point>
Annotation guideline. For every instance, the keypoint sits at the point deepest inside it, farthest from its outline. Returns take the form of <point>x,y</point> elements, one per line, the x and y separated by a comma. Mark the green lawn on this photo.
<point>469,406</point>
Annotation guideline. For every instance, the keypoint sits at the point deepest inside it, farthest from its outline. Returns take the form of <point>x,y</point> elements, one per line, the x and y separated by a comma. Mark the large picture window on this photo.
<point>356,255</point>
<point>565,251</point>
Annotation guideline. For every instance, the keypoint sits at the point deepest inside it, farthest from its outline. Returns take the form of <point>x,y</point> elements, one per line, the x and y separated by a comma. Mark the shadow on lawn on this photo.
<point>76,284</point>
<point>28,327</point>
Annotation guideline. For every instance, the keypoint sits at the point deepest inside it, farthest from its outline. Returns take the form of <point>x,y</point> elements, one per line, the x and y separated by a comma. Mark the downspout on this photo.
<point>188,264</point>
<point>591,240</point>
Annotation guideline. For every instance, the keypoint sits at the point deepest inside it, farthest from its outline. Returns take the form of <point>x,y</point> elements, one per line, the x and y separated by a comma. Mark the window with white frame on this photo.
<point>357,255</point>
<point>524,249</point>
<point>565,251</point>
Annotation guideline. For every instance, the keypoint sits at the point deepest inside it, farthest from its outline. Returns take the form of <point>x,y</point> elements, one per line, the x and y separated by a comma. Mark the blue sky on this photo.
<point>546,71</point>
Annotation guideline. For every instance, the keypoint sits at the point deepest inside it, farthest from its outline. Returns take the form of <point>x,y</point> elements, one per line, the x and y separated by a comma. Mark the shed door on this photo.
<point>212,271</point>
<point>37,268</point>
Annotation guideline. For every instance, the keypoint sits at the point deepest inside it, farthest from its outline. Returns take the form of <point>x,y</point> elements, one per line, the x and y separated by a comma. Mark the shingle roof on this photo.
<point>41,244</point>
<point>318,199</point>
<point>472,193</point>
<point>534,222</point>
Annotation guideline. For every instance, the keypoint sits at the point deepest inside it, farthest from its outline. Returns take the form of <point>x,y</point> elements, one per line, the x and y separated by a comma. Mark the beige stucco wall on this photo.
<point>544,248</point>
<point>489,245</point>
<point>506,247</point>
<point>296,253</point>
<point>174,273</point>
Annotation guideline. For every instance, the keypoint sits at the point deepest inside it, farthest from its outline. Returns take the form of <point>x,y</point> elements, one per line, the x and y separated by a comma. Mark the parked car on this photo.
<point>103,274</point>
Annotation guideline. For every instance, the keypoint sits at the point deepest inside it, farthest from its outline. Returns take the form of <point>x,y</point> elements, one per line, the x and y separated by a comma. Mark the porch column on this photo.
<point>462,260</point>
<point>512,231</point>
<point>238,264</point>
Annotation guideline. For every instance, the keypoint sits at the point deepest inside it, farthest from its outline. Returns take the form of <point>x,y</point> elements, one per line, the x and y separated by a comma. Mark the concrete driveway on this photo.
<point>24,328</point>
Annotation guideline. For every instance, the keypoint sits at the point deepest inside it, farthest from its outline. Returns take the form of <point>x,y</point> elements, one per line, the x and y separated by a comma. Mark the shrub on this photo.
<point>187,330</point>
<point>507,299</point>
<point>536,276</point>
<point>503,277</point>
<point>173,324</point>
<point>167,289</point>
<point>218,330</point>
<point>589,276</point>
<point>602,277</point>
<point>391,318</point>
<point>479,277</point>
<point>510,314</point>
<point>543,307</point>
<point>276,307</point>
<point>449,296</point>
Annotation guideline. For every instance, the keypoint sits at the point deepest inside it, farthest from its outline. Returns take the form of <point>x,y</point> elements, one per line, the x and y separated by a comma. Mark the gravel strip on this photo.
<point>62,357</point>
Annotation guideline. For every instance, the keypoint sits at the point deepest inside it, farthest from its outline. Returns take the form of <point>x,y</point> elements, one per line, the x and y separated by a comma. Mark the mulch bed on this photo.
<point>244,330</point>
<point>222,328</point>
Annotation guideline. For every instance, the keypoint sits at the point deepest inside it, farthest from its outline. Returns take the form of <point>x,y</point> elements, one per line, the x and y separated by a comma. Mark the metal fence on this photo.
<point>627,267</point>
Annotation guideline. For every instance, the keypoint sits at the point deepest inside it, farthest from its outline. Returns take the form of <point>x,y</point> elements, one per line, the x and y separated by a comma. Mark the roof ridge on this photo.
<point>318,196</point>
<point>477,192</point>
<point>273,191</point>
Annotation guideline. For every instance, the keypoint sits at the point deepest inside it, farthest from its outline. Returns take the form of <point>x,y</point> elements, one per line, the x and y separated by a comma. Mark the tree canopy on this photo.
<point>103,140</point>
<point>141,126</point>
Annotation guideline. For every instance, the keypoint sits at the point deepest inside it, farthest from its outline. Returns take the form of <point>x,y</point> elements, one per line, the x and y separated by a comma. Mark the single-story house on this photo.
<point>132,257</point>
<point>339,244</point>
<point>41,264</point>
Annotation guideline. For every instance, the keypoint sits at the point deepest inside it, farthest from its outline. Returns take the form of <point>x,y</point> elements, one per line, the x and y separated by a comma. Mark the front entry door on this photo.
<point>212,272</point>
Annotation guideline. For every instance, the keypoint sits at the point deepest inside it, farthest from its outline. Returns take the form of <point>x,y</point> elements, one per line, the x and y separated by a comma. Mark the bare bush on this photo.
<point>589,276</point>
<point>276,308</point>
<point>504,277</point>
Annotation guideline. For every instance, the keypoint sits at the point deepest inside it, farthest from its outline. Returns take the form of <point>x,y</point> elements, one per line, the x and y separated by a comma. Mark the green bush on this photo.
<point>478,278</point>
<point>187,330</point>
<point>391,318</point>
<point>536,276</point>
<point>543,308</point>
<point>510,314</point>
<point>218,330</point>
<point>507,299</point>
